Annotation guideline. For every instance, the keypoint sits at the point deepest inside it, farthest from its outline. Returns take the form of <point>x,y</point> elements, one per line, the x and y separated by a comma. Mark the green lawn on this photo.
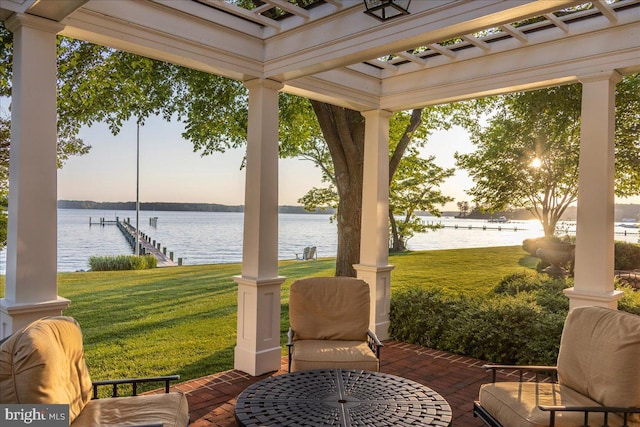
<point>183,319</point>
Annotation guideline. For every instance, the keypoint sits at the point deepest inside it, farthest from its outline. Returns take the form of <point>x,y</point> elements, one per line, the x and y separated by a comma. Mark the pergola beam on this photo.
<point>353,37</point>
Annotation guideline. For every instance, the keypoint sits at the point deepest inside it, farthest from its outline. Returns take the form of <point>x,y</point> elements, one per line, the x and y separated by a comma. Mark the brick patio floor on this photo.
<point>457,378</point>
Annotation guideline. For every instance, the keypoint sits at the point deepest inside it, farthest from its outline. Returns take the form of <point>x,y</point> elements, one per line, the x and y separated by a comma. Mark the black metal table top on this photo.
<point>340,397</point>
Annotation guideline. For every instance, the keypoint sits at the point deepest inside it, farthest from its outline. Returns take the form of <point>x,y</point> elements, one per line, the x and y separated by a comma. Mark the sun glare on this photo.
<point>535,163</point>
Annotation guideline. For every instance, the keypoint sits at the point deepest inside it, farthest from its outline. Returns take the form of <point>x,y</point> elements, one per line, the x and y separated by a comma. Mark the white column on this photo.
<point>31,282</point>
<point>595,218</point>
<point>258,337</point>
<point>374,265</point>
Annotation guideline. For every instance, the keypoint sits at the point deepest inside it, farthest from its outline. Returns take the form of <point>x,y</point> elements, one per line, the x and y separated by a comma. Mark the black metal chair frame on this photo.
<point>134,384</point>
<point>550,376</point>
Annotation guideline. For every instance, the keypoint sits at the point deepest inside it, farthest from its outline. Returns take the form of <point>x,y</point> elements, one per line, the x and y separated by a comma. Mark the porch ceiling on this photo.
<point>445,50</point>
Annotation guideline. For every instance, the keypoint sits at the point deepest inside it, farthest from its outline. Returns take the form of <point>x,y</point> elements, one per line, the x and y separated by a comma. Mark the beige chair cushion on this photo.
<point>600,356</point>
<point>333,354</point>
<point>515,404</point>
<point>170,410</point>
<point>329,308</point>
<point>44,363</point>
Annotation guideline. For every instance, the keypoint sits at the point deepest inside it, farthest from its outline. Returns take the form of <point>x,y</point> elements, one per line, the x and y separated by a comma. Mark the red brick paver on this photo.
<point>457,378</point>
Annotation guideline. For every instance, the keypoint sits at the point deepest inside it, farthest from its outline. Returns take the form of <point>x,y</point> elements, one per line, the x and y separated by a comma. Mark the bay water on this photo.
<point>216,237</point>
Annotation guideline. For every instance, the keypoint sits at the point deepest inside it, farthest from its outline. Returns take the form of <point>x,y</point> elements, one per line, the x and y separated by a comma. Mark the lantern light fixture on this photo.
<point>384,10</point>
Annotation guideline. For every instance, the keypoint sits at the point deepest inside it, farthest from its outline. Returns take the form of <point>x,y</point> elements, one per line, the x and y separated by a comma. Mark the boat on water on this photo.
<point>629,225</point>
<point>499,219</point>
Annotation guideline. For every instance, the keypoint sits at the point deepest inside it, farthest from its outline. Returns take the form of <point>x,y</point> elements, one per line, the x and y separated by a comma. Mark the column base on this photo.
<point>582,299</point>
<point>257,363</point>
<point>14,317</point>
<point>258,349</point>
<point>379,280</point>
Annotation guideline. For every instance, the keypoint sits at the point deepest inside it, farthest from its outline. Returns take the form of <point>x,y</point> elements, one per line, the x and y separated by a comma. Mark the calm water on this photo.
<point>216,237</point>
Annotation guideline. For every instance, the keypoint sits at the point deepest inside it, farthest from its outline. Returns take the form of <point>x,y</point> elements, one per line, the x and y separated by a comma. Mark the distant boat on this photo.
<point>499,219</point>
<point>628,225</point>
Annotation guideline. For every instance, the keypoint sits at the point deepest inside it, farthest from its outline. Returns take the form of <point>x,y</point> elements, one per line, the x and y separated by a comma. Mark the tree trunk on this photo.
<point>396,245</point>
<point>343,130</point>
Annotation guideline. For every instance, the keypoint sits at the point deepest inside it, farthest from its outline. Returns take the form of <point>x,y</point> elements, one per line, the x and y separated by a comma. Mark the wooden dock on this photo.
<point>147,245</point>
<point>502,226</point>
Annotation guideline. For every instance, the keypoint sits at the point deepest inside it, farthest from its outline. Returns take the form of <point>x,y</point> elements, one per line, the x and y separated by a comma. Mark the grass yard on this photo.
<point>182,320</point>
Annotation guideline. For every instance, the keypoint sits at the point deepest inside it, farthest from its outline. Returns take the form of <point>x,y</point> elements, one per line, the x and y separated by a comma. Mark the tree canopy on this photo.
<point>99,84</point>
<point>527,155</point>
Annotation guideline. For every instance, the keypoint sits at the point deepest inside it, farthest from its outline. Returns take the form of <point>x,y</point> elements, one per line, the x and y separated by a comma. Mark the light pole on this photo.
<point>138,189</point>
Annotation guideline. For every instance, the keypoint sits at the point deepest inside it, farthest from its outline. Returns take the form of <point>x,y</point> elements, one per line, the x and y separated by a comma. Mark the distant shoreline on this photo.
<point>175,207</point>
<point>621,210</point>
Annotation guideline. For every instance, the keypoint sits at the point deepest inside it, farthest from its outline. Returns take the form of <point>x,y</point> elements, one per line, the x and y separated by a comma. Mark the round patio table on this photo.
<point>340,397</point>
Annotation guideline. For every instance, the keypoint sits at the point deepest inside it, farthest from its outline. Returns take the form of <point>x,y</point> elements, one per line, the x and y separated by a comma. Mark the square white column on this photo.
<point>593,277</point>
<point>374,265</point>
<point>258,348</point>
<point>31,284</point>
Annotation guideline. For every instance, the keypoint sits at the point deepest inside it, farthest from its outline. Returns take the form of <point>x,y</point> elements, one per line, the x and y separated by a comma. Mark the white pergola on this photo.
<point>330,51</point>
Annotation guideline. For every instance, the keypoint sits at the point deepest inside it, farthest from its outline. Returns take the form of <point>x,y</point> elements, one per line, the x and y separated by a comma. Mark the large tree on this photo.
<point>414,187</point>
<point>99,84</point>
<point>527,155</point>
<point>413,179</point>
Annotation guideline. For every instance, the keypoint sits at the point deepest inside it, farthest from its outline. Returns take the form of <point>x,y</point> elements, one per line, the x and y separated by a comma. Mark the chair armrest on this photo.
<point>374,343</point>
<point>522,369</point>
<point>623,412</point>
<point>290,338</point>
<point>134,383</point>
<point>290,346</point>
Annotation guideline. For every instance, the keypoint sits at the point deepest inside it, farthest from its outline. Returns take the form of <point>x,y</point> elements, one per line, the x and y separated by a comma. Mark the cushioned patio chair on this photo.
<point>598,378</point>
<point>44,363</point>
<point>329,319</point>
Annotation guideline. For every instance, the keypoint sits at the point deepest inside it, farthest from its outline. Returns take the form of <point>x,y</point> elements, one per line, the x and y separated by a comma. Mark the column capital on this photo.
<point>18,20</point>
<point>266,83</point>
<point>257,283</point>
<point>611,75</point>
<point>373,268</point>
<point>376,113</point>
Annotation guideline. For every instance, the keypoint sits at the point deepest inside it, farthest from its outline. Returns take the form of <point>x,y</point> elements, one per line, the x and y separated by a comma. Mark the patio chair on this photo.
<point>305,254</point>
<point>44,363</point>
<point>329,319</point>
<point>598,378</point>
<point>308,253</point>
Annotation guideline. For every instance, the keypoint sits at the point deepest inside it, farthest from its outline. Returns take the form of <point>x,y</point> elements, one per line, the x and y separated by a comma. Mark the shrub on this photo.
<point>533,247</point>
<point>521,281</point>
<point>122,262</point>
<point>546,290</point>
<point>630,301</point>
<point>627,256</point>
<point>421,316</point>
<point>530,246</point>
<point>521,323</point>
<point>507,329</point>
<point>503,329</point>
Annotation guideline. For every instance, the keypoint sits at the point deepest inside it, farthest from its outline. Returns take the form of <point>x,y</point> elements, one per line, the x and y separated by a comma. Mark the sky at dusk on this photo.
<point>170,171</point>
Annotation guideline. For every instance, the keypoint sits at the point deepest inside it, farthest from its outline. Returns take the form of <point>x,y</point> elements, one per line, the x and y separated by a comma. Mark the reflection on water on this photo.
<point>216,237</point>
